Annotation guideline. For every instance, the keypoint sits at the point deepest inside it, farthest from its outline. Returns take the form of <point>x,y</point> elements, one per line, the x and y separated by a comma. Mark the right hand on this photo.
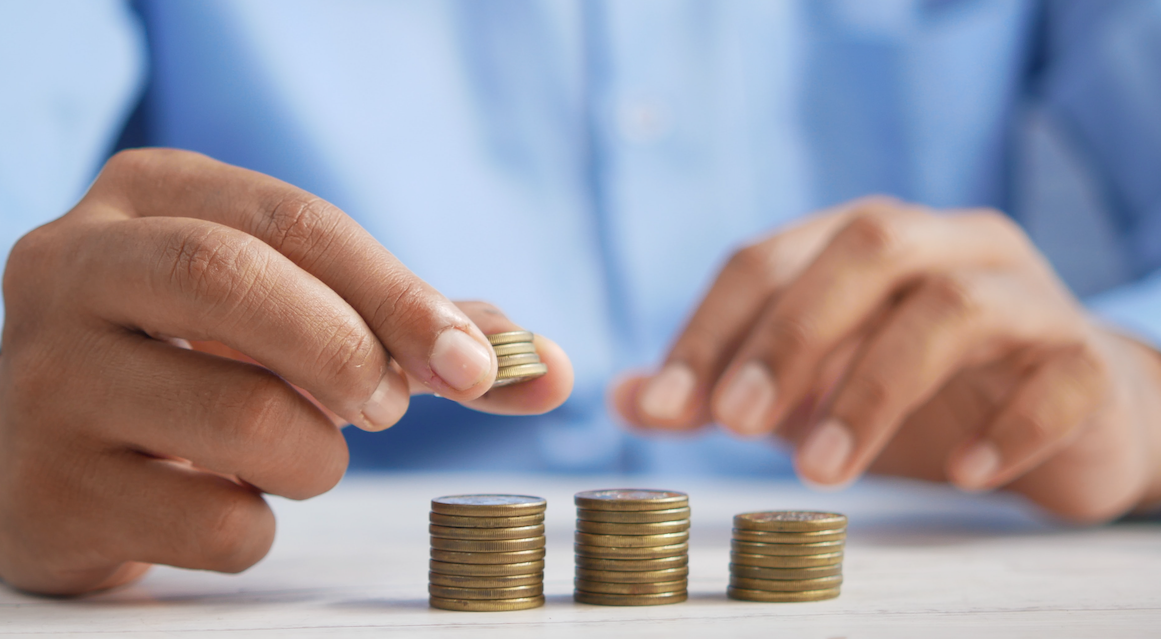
<point>121,447</point>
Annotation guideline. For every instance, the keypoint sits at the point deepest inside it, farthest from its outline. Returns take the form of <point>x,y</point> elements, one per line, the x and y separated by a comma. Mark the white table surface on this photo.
<point>920,561</point>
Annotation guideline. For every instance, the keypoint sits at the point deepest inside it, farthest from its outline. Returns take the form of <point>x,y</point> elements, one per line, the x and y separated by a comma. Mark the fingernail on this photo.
<point>378,411</point>
<point>747,399</point>
<point>978,465</point>
<point>459,360</point>
<point>825,452</point>
<point>667,394</point>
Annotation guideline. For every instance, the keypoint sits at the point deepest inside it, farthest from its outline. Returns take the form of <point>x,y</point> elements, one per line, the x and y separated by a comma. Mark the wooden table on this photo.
<point>921,561</point>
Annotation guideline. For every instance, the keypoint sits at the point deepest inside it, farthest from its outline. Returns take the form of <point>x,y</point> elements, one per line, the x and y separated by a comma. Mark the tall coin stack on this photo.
<point>516,357</point>
<point>632,547</point>
<point>487,552</point>
<point>787,556</point>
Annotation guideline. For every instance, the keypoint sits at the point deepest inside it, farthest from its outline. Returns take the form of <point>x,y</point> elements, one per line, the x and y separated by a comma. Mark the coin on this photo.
<point>630,499</point>
<point>515,348</point>
<point>752,548</point>
<point>764,537</point>
<point>522,372</point>
<point>631,541</point>
<point>486,570</point>
<point>611,588</point>
<point>758,572</point>
<point>517,532</point>
<point>601,528</point>
<point>487,545</point>
<point>460,521</point>
<point>633,576</point>
<point>460,581</point>
<point>784,561</point>
<point>622,565</point>
<point>488,505</point>
<point>786,585</point>
<point>486,605</point>
<point>517,360</point>
<point>487,558</point>
<point>651,552</point>
<point>600,599</point>
<point>790,521</point>
<point>514,592</point>
<point>510,337</point>
<point>765,595</point>
<point>633,516</point>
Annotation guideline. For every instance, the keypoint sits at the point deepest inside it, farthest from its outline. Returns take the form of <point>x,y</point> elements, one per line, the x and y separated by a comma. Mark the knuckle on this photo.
<point>262,413</point>
<point>236,537</point>
<point>867,394</point>
<point>350,357</point>
<point>872,235</point>
<point>949,295</point>
<point>791,335</point>
<point>301,225</point>
<point>214,266</point>
<point>404,305</point>
<point>1033,423</point>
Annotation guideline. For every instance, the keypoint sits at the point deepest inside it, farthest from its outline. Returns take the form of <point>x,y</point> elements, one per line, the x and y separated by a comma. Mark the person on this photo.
<point>187,336</point>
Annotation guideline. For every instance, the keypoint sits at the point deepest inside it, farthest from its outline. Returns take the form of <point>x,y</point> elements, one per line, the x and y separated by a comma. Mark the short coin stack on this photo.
<point>487,552</point>
<point>632,547</point>
<point>516,357</point>
<point>787,556</point>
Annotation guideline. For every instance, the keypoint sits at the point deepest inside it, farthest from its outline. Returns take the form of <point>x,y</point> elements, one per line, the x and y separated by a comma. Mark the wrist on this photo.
<point>1143,382</point>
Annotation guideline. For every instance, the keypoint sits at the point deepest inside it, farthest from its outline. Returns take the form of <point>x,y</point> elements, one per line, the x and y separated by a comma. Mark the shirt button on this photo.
<point>642,121</point>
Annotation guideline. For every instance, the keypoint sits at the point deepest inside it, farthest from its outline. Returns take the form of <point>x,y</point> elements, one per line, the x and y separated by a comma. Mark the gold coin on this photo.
<point>621,499</point>
<point>458,521</point>
<point>517,360</point>
<point>623,565</point>
<point>487,545</point>
<point>522,372</point>
<point>459,581</point>
<point>648,552</point>
<point>515,348</point>
<point>775,561</point>
<point>514,592</point>
<point>599,599</point>
<point>790,521</point>
<point>764,537</point>
<point>752,548</point>
<point>786,585</point>
<point>631,541</point>
<point>510,337</point>
<point>487,558</point>
<point>633,576</point>
<point>758,572</point>
<point>488,505</point>
<point>486,605</point>
<point>633,516</point>
<point>610,588</point>
<point>518,532</point>
<point>768,596</point>
<point>486,570</point>
<point>656,528</point>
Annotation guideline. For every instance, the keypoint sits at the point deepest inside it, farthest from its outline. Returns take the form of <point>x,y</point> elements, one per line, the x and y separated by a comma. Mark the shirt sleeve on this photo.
<point>70,71</point>
<point>1100,79</point>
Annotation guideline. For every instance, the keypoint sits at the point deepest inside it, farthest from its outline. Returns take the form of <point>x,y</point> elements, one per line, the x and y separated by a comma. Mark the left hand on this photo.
<point>882,336</point>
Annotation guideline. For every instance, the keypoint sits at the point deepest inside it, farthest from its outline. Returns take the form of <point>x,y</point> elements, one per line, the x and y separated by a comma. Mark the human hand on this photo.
<point>121,447</point>
<point>885,337</point>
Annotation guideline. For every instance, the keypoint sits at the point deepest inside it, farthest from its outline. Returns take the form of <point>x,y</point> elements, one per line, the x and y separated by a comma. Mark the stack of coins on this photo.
<point>487,552</point>
<point>787,556</point>
<point>516,357</point>
<point>632,547</point>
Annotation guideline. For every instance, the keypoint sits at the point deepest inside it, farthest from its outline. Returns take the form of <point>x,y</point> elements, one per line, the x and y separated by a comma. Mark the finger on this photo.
<point>947,323</point>
<point>676,397</point>
<point>204,281</point>
<point>532,397</point>
<point>1040,418</point>
<point>229,417</point>
<point>872,258</point>
<point>169,513</point>
<point>432,340</point>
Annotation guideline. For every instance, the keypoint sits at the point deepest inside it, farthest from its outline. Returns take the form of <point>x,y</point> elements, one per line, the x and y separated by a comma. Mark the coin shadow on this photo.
<point>382,604</point>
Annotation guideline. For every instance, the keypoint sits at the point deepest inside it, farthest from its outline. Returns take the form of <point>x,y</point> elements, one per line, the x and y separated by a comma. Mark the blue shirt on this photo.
<point>588,165</point>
